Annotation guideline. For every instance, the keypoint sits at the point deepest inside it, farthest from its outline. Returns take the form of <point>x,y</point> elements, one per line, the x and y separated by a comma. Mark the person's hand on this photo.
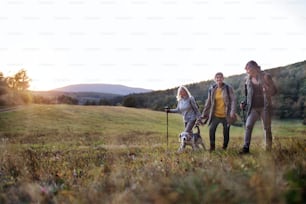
<point>202,120</point>
<point>167,109</point>
<point>242,105</point>
<point>199,122</point>
<point>232,119</point>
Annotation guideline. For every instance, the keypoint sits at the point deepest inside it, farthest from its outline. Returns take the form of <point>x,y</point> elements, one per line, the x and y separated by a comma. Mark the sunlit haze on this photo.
<point>153,44</point>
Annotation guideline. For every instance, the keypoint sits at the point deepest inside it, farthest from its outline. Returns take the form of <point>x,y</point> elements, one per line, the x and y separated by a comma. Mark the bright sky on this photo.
<point>154,44</point>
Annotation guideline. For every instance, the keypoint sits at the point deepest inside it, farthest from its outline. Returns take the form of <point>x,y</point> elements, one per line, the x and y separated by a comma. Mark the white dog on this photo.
<point>194,140</point>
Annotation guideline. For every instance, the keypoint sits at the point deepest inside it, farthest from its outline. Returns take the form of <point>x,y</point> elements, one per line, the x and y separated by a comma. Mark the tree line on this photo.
<point>290,102</point>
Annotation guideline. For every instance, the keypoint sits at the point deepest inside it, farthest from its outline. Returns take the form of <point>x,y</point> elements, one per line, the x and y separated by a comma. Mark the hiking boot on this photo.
<point>244,150</point>
<point>212,148</point>
<point>268,149</point>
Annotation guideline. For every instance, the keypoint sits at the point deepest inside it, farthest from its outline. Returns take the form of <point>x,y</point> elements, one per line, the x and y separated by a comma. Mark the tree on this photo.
<point>63,99</point>
<point>13,89</point>
<point>104,102</point>
<point>3,85</point>
<point>20,81</point>
<point>129,101</point>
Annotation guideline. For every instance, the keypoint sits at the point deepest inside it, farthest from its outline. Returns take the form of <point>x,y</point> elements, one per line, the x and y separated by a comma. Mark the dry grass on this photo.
<point>77,154</point>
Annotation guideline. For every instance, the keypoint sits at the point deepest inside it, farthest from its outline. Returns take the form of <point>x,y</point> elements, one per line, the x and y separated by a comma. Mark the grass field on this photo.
<point>102,154</point>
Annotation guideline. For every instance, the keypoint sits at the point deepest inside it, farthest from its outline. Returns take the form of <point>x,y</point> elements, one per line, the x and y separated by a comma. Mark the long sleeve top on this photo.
<point>229,99</point>
<point>265,81</point>
<point>188,108</point>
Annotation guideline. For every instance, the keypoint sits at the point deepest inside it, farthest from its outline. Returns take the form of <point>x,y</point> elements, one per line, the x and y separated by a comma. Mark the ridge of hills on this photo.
<point>289,102</point>
<point>114,89</point>
<point>89,93</point>
<point>290,81</point>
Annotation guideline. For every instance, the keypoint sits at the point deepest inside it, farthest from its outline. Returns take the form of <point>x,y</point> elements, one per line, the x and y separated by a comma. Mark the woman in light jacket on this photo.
<point>187,106</point>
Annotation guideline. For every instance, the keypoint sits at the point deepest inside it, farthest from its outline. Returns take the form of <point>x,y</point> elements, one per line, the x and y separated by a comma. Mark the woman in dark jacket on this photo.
<point>259,88</point>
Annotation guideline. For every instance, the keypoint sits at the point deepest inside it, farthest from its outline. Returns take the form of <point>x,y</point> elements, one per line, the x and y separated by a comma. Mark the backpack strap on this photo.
<point>192,106</point>
<point>227,90</point>
<point>226,87</point>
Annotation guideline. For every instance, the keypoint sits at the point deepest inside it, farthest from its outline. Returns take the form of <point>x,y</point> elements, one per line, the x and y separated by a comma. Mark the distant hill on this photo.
<point>103,88</point>
<point>87,94</point>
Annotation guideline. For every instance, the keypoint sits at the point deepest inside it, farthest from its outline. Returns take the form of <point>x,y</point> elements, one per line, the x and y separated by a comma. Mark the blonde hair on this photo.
<point>178,95</point>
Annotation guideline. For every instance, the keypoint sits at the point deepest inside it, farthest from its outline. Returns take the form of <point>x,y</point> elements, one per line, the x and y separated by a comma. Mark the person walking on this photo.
<point>187,106</point>
<point>220,107</point>
<point>259,89</point>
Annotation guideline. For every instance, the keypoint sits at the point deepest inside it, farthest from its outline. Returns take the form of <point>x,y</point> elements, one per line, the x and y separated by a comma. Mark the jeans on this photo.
<point>212,131</point>
<point>254,115</point>
<point>189,125</point>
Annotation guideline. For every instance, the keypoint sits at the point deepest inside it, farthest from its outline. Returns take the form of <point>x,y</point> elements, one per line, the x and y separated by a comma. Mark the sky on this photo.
<point>152,44</point>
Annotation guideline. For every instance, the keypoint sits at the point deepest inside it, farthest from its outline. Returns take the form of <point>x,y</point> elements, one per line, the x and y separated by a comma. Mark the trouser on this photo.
<point>212,130</point>
<point>189,125</point>
<point>254,115</point>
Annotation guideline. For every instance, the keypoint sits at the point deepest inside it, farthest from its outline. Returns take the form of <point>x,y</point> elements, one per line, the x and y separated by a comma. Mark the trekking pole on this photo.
<point>167,134</point>
<point>167,131</point>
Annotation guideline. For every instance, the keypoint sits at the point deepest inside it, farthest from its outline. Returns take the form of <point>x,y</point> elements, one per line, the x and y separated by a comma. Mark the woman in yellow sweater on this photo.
<point>220,107</point>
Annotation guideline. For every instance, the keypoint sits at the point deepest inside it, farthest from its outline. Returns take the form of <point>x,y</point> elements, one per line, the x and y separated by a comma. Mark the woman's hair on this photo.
<point>252,64</point>
<point>178,96</point>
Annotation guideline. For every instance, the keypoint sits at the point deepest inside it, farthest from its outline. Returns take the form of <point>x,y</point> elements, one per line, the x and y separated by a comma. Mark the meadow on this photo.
<point>104,154</point>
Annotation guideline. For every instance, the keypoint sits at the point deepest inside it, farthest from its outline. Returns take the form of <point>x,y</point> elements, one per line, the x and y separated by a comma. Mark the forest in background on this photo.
<point>289,103</point>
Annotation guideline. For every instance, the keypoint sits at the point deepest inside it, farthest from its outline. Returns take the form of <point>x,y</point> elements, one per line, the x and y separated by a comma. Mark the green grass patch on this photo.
<point>102,154</point>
